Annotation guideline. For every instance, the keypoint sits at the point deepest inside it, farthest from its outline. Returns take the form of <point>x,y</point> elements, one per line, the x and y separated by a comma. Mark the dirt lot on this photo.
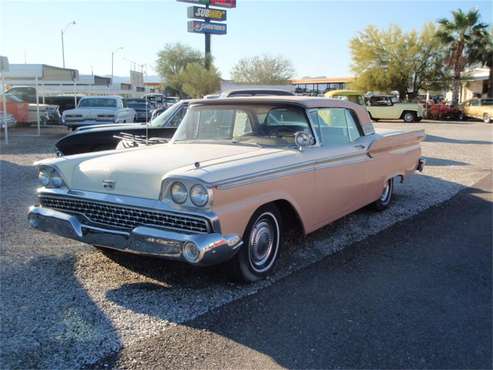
<point>65,304</point>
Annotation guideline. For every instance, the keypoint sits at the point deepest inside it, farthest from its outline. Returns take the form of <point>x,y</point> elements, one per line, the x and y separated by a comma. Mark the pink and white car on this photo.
<point>236,175</point>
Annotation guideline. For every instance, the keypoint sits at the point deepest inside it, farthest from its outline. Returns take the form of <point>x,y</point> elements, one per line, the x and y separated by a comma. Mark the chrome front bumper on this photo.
<point>212,248</point>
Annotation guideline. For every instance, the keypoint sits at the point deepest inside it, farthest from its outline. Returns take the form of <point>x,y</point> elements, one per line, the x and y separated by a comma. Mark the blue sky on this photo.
<point>314,35</point>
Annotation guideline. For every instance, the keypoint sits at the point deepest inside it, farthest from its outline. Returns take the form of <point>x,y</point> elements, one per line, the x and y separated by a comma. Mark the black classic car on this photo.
<point>108,137</point>
<point>143,109</point>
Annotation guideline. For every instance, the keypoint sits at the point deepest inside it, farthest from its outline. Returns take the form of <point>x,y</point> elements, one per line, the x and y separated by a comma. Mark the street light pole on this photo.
<point>62,31</point>
<point>63,50</point>
<point>112,61</point>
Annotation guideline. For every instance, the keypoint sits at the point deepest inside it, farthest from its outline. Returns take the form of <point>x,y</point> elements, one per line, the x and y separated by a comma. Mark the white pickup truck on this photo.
<point>97,110</point>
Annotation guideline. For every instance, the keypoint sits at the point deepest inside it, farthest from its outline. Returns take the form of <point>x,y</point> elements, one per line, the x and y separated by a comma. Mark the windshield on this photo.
<point>486,101</point>
<point>249,124</point>
<point>98,103</point>
<point>163,118</point>
<point>137,104</point>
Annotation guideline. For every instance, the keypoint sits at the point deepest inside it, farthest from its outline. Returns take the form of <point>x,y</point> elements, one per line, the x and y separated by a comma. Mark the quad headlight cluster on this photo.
<point>198,194</point>
<point>50,178</point>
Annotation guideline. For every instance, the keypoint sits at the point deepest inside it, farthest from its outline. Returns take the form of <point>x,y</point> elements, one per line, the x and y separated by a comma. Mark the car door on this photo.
<point>340,172</point>
<point>475,109</point>
<point>381,108</point>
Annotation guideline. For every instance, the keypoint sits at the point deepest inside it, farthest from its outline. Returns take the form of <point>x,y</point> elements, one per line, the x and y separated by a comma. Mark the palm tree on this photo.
<point>459,35</point>
<point>482,53</point>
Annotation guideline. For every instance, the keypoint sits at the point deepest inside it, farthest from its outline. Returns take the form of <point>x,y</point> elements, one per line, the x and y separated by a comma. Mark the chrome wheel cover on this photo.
<point>387,190</point>
<point>263,242</point>
<point>409,117</point>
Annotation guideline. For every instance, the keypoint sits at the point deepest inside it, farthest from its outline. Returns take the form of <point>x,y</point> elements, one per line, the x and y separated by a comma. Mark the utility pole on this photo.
<point>112,61</point>
<point>207,36</point>
<point>62,31</point>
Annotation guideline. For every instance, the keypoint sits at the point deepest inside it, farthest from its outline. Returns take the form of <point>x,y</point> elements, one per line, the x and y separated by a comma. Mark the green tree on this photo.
<point>387,60</point>
<point>264,70</point>
<point>199,81</point>
<point>173,60</point>
<point>459,36</point>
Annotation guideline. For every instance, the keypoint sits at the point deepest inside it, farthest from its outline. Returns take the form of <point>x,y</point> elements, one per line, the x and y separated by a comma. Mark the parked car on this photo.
<point>16,107</point>
<point>49,113</point>
<point>106,137</point>
<point>96,110</point>
<point>254,92</point>
<point>238,173</point>
<point>442,111</point>
<point>381,106</point>
<point>64,102</point>
<point>478,108</point>
<point>143,109</point>
<point>7,119</point>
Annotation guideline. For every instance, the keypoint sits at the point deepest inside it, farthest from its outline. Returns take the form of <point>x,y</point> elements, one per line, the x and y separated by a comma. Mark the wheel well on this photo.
<point>291,220</point>
<point>408,111</point>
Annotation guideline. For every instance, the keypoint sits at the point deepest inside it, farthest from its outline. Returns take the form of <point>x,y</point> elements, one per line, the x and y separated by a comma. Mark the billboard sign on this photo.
<point>219,3</point>
<point>201,2</point>
<point>223,3</point>
<point>206,13</point>
<point>207,27</point>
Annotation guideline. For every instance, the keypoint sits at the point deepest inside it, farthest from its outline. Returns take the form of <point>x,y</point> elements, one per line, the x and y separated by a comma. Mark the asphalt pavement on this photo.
<point>416,295</point>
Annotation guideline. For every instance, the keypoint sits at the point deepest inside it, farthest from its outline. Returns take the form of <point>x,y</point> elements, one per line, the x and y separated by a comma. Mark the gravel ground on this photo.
<point>65,304</point>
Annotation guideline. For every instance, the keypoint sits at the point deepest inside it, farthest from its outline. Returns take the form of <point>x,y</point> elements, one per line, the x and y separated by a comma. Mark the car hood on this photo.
<point>139,172</point>
<point>109,127</point>
<point>86,111</point>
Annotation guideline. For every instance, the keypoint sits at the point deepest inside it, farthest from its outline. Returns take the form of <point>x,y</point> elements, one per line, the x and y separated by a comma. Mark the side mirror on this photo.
<point>302,139</point>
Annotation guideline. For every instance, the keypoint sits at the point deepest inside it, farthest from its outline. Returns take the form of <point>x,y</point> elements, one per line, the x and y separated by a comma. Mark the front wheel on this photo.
<point>258,254</point>
<point>486,118</point>
<point>386,196</point>
<point>409,117</point>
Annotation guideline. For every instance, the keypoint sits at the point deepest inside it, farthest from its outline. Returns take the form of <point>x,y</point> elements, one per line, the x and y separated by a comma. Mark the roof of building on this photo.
<point>321,80</point>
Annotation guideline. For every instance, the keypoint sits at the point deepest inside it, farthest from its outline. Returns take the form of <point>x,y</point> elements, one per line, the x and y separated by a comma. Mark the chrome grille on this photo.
<point>125,217</point>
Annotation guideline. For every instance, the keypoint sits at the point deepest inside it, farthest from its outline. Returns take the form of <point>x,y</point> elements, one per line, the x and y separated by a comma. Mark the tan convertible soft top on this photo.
<point>306,102</point>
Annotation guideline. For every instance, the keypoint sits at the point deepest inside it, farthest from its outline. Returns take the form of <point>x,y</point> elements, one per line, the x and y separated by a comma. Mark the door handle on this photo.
<point>359,146</point>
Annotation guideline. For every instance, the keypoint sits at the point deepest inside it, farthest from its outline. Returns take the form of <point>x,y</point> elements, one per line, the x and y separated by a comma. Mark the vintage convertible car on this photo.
<point>236,175</point>
<point>106,137</point>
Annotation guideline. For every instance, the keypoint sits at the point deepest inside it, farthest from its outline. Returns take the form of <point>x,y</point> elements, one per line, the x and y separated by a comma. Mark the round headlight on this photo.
<point>56,181</point>
<point>178,192</point>
<point>199,195</point>
<point>44,177</point>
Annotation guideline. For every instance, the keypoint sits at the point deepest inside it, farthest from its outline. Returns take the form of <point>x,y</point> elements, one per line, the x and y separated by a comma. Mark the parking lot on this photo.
<point>66,305</point>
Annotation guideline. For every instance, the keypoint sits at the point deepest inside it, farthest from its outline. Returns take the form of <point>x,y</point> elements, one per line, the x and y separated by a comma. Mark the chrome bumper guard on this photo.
<point>196,249</point>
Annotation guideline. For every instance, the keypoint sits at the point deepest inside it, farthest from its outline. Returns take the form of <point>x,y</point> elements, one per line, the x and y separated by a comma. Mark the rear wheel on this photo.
<point>409,117</point>
<point>386,196</point>
<point>260,250</point>
<point>486,118</point>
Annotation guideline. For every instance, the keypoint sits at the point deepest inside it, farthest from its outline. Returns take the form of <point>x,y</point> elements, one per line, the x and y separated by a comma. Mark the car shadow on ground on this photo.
<point>409,298</point>
<point>431,161</point>
<point>48,319</point>
<point>441,139</point>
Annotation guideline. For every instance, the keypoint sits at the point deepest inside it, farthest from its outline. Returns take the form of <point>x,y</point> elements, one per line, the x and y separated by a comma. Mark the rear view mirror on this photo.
<point>302,139</point>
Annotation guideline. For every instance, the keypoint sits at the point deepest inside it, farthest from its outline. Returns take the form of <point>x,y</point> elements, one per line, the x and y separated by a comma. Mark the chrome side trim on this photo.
<point>292,169</point>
